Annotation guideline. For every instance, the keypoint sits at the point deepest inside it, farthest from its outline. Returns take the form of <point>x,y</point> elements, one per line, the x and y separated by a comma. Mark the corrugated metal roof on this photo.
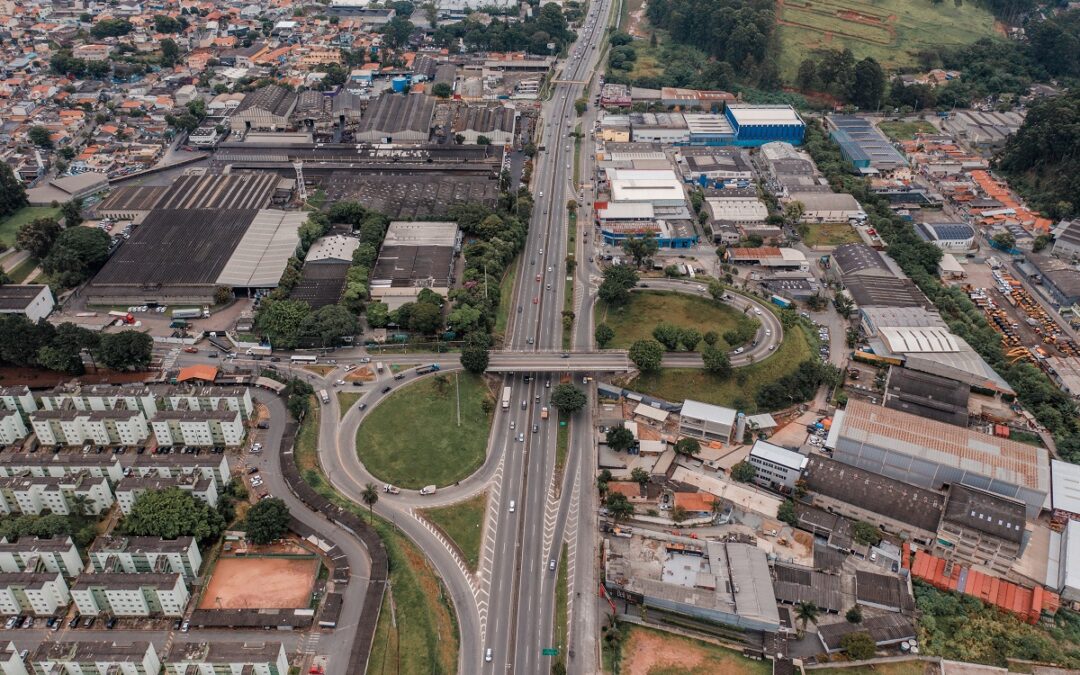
<point>264,250</point>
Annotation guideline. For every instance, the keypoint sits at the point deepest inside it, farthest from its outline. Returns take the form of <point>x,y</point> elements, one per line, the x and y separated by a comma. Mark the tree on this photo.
<point>12,192</point>
<point>667,334</point>
<point>711,338</point>
<point>76,254</point>
<point>641,248</point>
<point>370,496</point>
<point>378,314</point>
<point>716,361</point>
<point>603,335</point>
<point>679,514</point>
<point>689,337</point>
<point>647,355</point>
<point>126,350</point>
<point>567,398</point>
<point>743,472</point>
<point>172,513</point>
<point>267,520</point>
<point>425,318</point>
<point>474,358</point>
<point>442,90</point>
<point>72,212</point>
<point>37,236</point>
<point>1040,243</point>
<point>110,28</point>
<point>619,438</point>
<point>170,53</point>
<point>687,447</point>
<point>858,646</point>
<point>331,324</point>
<point>866,533</point>
<point>602,482</point>
<point>40,136</point>
<point>806,612</point>
<point>869,87</point>
<point>398,31</point>
<point>807,76</point>
<point>639,476</point>
<point>618,280</point>
<point>786,513</point>
<point>854,615</point>
<point>283,320</point>
<point>619,506</point>
<point>1004,240</point>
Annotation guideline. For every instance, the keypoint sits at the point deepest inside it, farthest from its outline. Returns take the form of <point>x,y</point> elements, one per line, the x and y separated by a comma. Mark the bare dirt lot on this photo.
<point>647,652</point>
<point>260,583</point>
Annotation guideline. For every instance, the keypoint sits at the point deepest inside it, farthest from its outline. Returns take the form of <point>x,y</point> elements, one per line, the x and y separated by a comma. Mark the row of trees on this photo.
<point>836,72</point>
<point>26,344</point>
<point>534,34</point>
<point>918,259</point>
<point>12,192</point>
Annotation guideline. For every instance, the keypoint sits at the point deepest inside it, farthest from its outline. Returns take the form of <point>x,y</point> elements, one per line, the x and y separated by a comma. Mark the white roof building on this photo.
<point>1065,487</point>
<point>660,187</point>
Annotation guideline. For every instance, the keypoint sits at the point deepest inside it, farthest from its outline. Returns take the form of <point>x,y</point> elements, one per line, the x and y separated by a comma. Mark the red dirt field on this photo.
<point>260,583</point>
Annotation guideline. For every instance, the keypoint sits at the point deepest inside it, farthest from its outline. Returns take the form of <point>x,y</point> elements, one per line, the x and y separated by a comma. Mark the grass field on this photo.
<point>20,272</point>
<point>655,652</point>
<point>739,390</point>
<point>10,225</point>
<point>506,298</point>
<point>648,308</point>
<point>830,234</point>
<point>424,638</point>
<point>562,609</point>
<point>891,31</point>
<point>346,400</point>
<point>434,448</point>
<point>463,523</point>
<point>906,130</point>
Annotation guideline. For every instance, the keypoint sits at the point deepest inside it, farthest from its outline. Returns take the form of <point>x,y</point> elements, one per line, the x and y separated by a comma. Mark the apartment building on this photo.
<point>38,593</point>
<point>70,426</point>
<point>11,661</point>
<point>148,398</point>
<point>141,555</point>
<point>200,428</point>
<point>12,427</point>
<point>220,658</point>
<point>61,495</point>
<point>122,594</point>
<point>130,487</point>
<point>33,554</point>
<point>49,464</point>
<point>92,657</point>
<point>18,399</point>
<point>205,464</point>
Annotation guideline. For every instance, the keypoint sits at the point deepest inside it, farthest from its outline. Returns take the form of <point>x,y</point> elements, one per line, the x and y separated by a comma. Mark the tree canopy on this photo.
<point>267,521</point>
<point>172,513</point>
<point>567,398</point>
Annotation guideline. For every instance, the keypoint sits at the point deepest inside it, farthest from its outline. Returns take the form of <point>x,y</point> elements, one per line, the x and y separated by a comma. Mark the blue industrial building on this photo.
<point>862,144</point>
<point>756,125</point>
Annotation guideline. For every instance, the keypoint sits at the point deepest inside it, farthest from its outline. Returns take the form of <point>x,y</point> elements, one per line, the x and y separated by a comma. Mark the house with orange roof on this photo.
<point>695,503</point>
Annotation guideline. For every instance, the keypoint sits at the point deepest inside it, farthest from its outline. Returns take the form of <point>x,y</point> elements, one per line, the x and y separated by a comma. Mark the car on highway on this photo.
<point>513,506</point>
<point>529,340</point>
<point>757,310</point>
<point>551,565</point>
<point>488,655</point>
<point>739,350</point>
<point>386,390</point>
<point>340,383</point>
<point>536,428</point>
<point>768,331</point>
<point>536,300</point>
<point>521,437</point>
<point>538,277</point>
<point>191,350</point>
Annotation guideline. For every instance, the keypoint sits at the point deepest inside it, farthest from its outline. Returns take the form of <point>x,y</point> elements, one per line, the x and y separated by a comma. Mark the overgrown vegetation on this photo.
<point>548,25</point>
<point>918,259</point>
<point>961,627</point>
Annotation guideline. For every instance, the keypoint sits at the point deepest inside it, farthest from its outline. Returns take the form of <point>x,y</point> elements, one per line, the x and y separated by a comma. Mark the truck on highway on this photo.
<point>424,370</point>
<point>783,303</point>
<point>390,489</point>
<point>191,313</point>
<point>544,413</point>
<point>304,358</point>
<point>506,398</point>
<point>126,317</point>
<point>379,366</point>
<point>324,396</point>
<point>427,490</point>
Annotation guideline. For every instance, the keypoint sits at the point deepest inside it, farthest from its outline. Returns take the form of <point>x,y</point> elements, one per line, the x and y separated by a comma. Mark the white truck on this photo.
<point>427,490</point>
<point>390,489</point>
<point>324,396</point>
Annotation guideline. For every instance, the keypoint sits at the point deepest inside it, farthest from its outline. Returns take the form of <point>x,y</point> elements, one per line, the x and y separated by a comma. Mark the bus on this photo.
<point>324,396</point>
<point>304,358</point>
<point>506,398</point>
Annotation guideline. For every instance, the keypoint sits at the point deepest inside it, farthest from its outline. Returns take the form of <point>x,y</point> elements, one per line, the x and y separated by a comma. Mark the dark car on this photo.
<point>386,390</point>
<point>275,359</point>
<point>111,623</point>
<point>253,469</point>
<point>363,406</point>
<point>176,624</point>
<point>74,623</point>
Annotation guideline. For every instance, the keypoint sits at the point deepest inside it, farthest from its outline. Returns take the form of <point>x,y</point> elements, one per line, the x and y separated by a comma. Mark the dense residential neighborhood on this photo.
<point>555,336</point>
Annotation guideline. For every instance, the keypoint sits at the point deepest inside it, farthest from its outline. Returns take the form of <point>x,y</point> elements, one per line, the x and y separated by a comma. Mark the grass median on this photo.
<point>506,299</point>
<point>420,634</point>
<point>738,391</point>
<point>636,320</point>
<point>463,523</point>
<point>346,400</point>
<point>432,431</point>
<point>562,611</point>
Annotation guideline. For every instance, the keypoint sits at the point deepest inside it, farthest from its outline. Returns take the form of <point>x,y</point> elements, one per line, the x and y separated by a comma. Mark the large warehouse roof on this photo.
<point>177,247</point>
<point>763,114</point>
<point>421,233</point>
<point>262,254</point>
<point>907,340</point>
<point>395,113</point>
<point>235,191</point>
<point>1066,486</point>
<point>940,443</point>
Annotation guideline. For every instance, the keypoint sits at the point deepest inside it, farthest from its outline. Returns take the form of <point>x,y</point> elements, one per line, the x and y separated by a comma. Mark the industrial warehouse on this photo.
<point>202,233</point>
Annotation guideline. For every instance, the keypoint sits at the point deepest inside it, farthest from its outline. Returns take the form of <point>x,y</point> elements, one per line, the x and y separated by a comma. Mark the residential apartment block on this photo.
<point>14,464</point>
<point>39,593</point>
<point>141,555</point>
<point>129,489</point>
<point>61,495</point>
<point>121,594</point>
<point>218,658</point>
<point>33,554</point>
<point>17,399</point>
<point>12,427</point>
<point>92,658</point>
<point>70,426</point>
<point>220,427</point>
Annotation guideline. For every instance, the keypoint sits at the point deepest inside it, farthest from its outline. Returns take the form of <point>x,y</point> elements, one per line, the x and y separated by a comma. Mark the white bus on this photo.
<point>506,398</point>
<point>324,396</point>
<point>304,358</point>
